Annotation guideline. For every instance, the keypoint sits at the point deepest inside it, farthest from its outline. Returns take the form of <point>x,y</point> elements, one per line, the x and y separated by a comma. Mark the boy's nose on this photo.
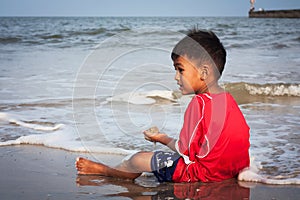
<point>176,76</point>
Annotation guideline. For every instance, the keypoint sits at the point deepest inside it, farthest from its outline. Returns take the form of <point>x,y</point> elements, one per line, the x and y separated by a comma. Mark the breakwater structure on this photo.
<point>295,13</point>
<point>261,13</point>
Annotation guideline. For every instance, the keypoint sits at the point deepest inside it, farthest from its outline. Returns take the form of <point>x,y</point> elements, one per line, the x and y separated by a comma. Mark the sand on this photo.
<point>37,172</point>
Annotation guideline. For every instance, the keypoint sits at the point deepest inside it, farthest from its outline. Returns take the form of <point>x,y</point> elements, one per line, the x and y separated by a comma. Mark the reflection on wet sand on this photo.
<point>144,188</point>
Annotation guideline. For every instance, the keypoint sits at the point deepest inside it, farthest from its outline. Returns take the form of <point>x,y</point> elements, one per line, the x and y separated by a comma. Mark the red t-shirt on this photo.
<point>214,140</point>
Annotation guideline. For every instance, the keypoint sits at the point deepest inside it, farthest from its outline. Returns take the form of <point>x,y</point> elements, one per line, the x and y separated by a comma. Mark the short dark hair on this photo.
<point>203,46</point>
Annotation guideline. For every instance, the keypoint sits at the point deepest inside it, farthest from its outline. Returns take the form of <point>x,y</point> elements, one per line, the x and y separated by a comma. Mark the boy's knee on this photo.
<point>138,157</point>
<point>141,160</point>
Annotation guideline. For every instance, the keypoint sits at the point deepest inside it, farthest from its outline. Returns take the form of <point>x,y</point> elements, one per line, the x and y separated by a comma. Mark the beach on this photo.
<point>37,172</point>
<point>89,86</point>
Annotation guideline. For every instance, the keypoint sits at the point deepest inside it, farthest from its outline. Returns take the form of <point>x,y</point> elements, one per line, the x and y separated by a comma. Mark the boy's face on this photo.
<point>188,76</point>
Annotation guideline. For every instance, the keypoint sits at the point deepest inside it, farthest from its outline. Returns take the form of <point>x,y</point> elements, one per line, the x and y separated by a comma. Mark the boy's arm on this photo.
<point>168,141</point>
<point>161,138</point>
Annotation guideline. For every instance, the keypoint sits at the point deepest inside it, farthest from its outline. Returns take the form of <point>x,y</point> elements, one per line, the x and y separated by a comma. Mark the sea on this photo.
<point>94,84</point>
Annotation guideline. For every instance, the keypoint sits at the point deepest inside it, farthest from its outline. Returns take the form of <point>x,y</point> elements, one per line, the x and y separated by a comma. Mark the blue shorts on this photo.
<point>163,165</point>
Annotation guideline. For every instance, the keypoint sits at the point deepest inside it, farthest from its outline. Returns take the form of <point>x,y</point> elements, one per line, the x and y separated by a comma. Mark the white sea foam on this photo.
<point>66,138</point>
<point>274,89</point>
<point>143,98</point>
<point>250,174</point>
<point>4,117</point>
<point>57,136</point>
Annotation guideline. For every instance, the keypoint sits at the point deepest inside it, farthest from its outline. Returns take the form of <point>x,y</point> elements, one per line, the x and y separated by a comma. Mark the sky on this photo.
<point>138,7</point>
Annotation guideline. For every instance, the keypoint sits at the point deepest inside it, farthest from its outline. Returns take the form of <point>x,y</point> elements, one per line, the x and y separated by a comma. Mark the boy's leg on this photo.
<point>128,169</point>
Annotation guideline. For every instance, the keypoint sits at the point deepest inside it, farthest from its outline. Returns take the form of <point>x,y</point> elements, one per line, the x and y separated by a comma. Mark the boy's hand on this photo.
<point>153,134</point>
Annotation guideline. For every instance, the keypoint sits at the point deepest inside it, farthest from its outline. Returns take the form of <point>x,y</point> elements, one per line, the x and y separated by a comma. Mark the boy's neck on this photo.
<point>214,88</point>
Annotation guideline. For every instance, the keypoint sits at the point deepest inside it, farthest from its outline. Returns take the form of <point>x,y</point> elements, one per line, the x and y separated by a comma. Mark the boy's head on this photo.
<point>203,47</point>
<point>204,51</point>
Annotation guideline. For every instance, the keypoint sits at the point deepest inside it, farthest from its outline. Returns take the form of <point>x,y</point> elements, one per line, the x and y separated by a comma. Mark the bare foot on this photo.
<point>87,167</point>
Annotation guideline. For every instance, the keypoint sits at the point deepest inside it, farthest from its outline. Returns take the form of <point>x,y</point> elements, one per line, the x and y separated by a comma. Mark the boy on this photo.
<point>214,141</point>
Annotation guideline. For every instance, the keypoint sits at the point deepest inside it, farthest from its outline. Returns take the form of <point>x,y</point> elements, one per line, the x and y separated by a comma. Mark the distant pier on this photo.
<point>275,13</point>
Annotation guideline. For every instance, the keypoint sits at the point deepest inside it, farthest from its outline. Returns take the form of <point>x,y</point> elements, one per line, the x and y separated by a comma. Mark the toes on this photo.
<point>78,163</point>
<point>79,159</point>
<point>85,166</point>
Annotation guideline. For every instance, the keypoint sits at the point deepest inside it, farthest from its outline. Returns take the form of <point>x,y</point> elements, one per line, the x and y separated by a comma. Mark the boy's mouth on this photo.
<point>180,86</point>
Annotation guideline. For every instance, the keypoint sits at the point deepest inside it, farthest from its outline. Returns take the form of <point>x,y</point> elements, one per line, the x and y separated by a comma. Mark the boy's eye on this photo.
<point>180,69</point>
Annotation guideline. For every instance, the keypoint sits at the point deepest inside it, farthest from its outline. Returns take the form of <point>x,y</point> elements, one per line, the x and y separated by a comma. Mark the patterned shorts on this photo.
<point>163,165</point>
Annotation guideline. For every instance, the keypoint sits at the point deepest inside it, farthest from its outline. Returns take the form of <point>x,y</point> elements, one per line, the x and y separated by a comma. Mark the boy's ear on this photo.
<point>204,71</point>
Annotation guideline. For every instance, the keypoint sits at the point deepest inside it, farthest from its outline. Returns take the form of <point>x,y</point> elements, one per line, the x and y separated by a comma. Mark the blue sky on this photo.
<point>138,7</point>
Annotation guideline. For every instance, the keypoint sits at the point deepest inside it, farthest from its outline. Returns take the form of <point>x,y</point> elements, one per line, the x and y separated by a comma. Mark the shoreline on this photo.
<point>38,172</point>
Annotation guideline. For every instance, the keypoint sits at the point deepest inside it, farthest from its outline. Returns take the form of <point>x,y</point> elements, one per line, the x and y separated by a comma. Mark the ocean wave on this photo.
<point>35,125</point>
<point>251,174</point>
<point>52,36</point>
<point>243,92</point>
<point>237,46</point>
<point>60,137</point>
<point>296,39</point>
<point>272,89</point>
<point>10,40</point>
<point>147,97</point>
<point>94,31</point>
<point>61,36</point>
<point>225,26</point>
<point>65,139</point>
<point>277,45</point>
<point>279,89</point>
<point>97,31</point>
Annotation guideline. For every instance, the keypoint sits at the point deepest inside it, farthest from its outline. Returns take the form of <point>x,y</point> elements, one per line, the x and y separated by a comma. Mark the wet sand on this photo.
<point>38,172</point>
